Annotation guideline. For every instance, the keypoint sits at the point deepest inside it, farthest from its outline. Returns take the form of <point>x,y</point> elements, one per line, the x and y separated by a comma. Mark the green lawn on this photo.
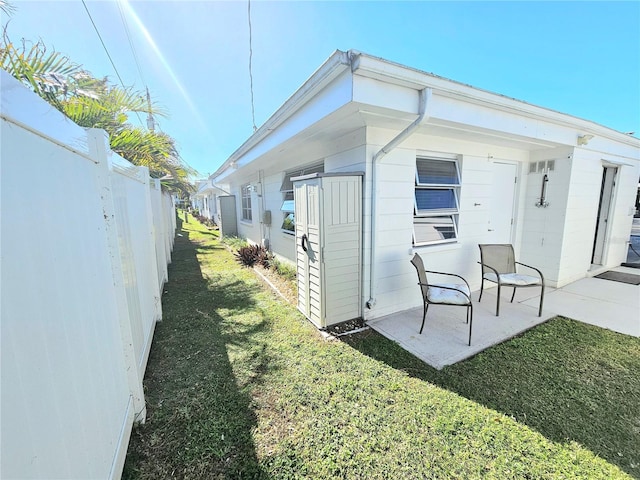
<point>239,385</point>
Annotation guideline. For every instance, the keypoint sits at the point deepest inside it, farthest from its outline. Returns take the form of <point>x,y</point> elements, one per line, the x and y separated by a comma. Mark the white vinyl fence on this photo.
<point>85,240</point>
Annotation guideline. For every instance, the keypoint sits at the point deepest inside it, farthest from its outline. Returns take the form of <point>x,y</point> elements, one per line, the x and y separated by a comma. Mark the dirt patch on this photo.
<point>347,326</point>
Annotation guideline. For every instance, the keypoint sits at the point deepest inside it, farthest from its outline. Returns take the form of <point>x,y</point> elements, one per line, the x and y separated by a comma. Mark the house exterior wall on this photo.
<point>349,117</point>
<point>343,155</point>
<point>559,238</point>
<point>582,208</point>
<point>543,227</point>
<point>395,286</point>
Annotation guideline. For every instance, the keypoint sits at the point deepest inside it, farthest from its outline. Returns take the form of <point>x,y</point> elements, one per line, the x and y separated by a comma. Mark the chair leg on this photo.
<point>470,315</point>
<point>498,302</point>
<point>541,300</point>
<point>514,294</point>
<point>481,289</point>
<point>424,315</point>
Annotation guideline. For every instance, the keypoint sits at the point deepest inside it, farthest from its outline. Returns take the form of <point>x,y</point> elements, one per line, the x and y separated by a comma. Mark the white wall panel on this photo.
<point>74,273</point>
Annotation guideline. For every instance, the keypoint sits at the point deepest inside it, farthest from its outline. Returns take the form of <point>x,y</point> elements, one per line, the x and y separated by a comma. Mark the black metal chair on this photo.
<point>455,294</point>
<point>499,266</point>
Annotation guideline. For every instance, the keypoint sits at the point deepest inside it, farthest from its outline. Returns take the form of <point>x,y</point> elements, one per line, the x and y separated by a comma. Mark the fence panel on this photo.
<point>132,203</point>
<point>159,233</point>
<point>80,297</point>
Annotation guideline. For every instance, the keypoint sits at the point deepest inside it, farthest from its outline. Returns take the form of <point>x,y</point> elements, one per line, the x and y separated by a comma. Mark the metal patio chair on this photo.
<point>455,294</point>
<point>499,266</point>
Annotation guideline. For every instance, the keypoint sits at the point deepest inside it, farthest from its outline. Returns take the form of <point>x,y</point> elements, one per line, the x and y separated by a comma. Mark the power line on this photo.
<point>103,45</point>
<point>133,50</point>
<point>107,51</point>
<point>151,122</point>
<point>253,111</point>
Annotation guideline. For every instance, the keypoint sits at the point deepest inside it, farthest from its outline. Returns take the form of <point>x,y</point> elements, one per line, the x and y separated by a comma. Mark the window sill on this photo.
<point>436,247</point>
<point>248,223</point>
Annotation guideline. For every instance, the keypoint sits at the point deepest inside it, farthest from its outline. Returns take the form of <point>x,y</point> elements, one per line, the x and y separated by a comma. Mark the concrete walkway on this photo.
<point>603,303</point>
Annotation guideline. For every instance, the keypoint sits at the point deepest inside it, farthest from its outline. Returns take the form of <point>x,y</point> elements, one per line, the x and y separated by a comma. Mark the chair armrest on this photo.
<point>489,266</point>
<point>532,268</point>
<point>451,275</point>
<point>448,288</point>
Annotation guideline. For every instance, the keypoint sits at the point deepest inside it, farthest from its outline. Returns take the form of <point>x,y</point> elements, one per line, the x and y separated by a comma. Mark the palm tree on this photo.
<point>7,7</point>
<point>96,103</point>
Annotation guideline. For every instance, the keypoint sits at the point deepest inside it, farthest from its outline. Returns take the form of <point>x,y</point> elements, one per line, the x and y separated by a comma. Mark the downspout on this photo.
<point>424,98</point>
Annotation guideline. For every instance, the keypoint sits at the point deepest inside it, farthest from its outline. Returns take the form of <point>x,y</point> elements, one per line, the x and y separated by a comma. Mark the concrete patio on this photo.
<point>595,301</point>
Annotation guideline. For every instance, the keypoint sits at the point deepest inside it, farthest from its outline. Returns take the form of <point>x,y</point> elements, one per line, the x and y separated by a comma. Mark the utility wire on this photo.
<point>107,51</point>
<point>151,122</point>
<point>133,49</point>
<point>253,111</point>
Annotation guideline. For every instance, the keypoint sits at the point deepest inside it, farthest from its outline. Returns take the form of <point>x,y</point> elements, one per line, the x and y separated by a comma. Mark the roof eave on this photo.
<point>328,71</point>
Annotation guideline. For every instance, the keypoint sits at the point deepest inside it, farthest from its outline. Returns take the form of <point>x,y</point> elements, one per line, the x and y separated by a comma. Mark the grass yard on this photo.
<point>240,385</point>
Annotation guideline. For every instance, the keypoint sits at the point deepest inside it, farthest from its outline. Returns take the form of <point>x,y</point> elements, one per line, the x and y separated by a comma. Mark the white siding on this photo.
<point>543,228</point>
<point>396,281</point>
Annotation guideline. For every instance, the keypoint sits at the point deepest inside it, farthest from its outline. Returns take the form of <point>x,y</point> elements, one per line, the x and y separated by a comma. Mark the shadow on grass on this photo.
<point>199,407</point>
<point>567,380</point>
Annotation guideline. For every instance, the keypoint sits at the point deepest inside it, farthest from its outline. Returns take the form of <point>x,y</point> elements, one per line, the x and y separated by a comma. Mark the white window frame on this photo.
<point>245,203</point>
<point>288,206</point>
<point>450,214</point>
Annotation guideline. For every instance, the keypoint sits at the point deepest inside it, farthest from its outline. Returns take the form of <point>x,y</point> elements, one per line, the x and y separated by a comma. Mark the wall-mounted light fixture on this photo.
<point>542,203</point>
<point>584,139</point>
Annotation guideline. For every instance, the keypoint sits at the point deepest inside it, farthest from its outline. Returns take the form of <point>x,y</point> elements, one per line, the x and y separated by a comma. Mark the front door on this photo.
<point>501,210</point>
<point>604,211</point>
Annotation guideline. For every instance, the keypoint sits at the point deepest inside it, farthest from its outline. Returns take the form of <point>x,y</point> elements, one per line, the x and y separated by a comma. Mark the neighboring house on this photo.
<point>205,199</point>
<point>446,167</point>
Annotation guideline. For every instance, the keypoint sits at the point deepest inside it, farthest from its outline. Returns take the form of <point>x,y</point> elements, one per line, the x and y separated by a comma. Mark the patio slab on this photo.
<point>595,301</point>
<point>599,302</point>
<point>444,339</point>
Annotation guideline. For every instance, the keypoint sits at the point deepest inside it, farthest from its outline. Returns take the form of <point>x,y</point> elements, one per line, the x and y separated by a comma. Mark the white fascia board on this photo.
<point>336,64</point>
<point>390,72</point>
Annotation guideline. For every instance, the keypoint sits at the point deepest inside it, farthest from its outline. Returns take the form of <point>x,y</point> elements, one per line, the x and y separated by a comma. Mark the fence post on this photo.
<point>143,172</point>
<point>98,143</point>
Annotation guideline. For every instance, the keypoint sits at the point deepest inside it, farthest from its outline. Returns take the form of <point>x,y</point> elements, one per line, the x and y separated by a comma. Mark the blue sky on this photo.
<point>581,58</point>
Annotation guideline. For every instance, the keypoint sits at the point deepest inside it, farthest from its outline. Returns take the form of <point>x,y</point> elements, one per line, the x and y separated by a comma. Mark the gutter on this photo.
<point>424,100</point>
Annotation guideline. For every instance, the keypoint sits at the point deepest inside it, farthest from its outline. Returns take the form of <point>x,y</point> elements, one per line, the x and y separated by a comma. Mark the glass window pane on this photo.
<point>287,184</point>
<point>439,172</point>
<point>314,169</point>
<point>433,229</point>
<point>429,199</point>
<point>289,223</point>
<point>287,206</point>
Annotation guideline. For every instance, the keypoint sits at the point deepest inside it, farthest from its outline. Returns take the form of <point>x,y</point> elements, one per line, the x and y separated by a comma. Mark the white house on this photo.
<point>205,199</point>
<point>445,167</point>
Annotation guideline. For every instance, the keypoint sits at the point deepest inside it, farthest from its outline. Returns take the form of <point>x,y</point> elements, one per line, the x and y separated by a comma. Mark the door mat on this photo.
<point>620,277</point>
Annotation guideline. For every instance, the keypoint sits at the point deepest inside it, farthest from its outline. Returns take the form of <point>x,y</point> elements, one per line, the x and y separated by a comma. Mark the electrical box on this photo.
<point>266,217</point>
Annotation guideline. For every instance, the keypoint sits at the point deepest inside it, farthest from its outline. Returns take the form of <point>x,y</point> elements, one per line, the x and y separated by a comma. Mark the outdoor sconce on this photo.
<point>542,203</point>
<point>584,139</point>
